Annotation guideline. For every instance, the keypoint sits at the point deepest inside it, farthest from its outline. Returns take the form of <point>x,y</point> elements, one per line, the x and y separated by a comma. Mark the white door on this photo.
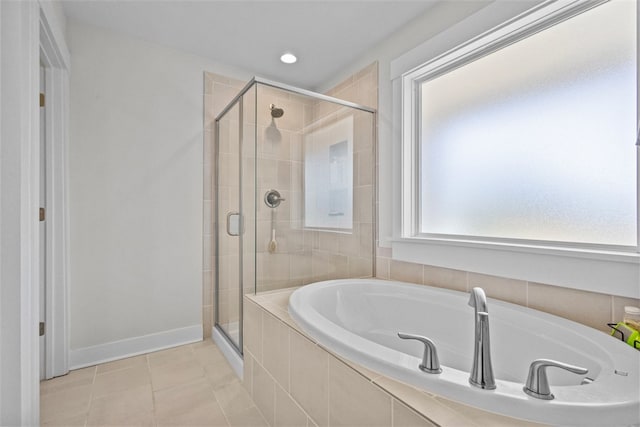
<point>43,230</point>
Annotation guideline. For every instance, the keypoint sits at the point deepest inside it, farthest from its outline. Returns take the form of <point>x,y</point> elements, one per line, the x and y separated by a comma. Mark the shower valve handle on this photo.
<point>272,198</point>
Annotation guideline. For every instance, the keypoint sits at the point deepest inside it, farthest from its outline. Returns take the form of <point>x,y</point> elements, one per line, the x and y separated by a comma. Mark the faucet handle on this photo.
<point>537,383</point>
<point>430,363</point>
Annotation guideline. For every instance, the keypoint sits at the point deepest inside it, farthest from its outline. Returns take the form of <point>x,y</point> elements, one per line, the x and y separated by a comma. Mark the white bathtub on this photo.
<point>360,319</point>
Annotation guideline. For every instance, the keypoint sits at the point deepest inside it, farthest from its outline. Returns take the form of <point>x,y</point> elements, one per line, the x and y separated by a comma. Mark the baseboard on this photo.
<point>89,356</point>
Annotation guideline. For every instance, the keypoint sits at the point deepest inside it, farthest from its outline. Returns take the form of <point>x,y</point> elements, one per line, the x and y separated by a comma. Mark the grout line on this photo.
<point>93,381</point>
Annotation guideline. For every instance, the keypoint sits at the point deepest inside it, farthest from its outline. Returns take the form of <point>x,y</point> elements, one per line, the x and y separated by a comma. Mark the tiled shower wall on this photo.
<point>302,255</point>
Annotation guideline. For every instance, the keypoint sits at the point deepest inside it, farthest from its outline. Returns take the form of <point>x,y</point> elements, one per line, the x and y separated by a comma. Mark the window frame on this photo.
<point>526,256</point>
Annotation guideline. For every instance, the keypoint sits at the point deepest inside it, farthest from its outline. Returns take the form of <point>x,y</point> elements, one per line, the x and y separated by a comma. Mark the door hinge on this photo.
<point>41,328</point>
<point>42,214</point>
<point>42,99</point>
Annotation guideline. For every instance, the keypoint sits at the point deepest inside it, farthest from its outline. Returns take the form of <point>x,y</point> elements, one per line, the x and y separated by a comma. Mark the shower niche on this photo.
<point>294,195</point>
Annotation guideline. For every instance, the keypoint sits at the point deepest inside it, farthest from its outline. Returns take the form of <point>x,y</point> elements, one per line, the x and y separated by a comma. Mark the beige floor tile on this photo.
<point>174,374</point>
<point>233,398</point>
<point>119,381</point>
<point>70,403</point>
<point>178,400</point>
<point>132,405</point>
<point>206,415</point>
<point>250,417</point>
<point>64,421</point>
<point>77,378</point>
<point>173,355</point>
<point>220,374</point>
<point>129,362</point>
<point>208,354</point>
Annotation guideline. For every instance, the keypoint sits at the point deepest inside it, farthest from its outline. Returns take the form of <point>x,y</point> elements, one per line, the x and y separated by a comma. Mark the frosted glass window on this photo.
<point>537,140</point>
<point>328,176</point>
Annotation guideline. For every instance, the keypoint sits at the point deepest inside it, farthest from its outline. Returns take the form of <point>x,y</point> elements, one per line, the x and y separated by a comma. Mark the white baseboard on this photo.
<point>234,359</point>
<point>89,356</point>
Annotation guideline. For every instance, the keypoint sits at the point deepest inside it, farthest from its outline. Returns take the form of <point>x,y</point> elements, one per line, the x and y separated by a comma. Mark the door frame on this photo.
<point>56,59</point>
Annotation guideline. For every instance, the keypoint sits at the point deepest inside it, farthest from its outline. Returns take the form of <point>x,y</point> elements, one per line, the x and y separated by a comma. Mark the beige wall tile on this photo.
<point>363,203</point>
<point>275,346</point>
<point>485,418</point>
<point>360,267</point>
<point>247,372</point>
<point>264,391</point>
<point>619,304</point>
<point>589,308</point>
<point>445,278</point>
<point>207,321</point>
<point>405,271</point>
<point>384,252</point>
<point>253,328</point>
<point>366,168</point>
<point>382,267</point>
<point>501,288</point>
<point>288,413</point>
<point>347,391</point>
<point>405,417</point>
<point>338,267</point>
<point>310,377</point>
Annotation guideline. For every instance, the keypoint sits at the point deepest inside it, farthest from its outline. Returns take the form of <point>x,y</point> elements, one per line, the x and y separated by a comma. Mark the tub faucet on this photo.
<point>481,370</point>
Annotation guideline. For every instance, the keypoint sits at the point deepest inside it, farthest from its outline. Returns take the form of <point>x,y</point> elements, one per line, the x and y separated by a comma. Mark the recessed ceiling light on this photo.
<point>288,58</point>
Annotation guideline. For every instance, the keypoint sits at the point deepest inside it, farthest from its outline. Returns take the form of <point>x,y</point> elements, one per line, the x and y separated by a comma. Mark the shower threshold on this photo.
<point>228,349</point>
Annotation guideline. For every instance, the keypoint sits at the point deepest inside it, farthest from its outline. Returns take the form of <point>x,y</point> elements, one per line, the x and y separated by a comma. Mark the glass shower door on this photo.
<point>229,225</point>
<point>235,214</point>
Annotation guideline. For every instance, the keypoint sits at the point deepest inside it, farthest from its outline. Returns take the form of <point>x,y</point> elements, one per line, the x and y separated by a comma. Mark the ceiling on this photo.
<point>326,35</point>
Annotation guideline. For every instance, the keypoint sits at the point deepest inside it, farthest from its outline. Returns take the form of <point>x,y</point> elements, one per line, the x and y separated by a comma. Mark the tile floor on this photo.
<point>191,385</point>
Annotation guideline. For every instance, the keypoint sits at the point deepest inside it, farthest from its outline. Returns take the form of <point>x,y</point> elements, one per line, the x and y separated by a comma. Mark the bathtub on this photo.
<point>359,320</point>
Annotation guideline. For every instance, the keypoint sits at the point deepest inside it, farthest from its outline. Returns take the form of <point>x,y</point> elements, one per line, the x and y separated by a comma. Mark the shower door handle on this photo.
<point>234,224</point>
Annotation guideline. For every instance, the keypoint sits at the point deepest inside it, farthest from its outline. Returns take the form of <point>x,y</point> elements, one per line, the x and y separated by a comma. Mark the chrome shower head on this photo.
<point>275,111</point>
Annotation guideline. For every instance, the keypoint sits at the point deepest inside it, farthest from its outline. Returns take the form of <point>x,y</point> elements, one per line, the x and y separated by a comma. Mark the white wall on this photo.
<point>135,173</point>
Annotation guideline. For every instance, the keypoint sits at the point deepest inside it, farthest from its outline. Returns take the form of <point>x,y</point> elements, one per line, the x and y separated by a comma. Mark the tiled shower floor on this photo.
<point>191,385</point>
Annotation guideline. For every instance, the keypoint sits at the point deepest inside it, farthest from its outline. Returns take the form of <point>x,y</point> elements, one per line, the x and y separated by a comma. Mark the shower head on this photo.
<point>275,111</point>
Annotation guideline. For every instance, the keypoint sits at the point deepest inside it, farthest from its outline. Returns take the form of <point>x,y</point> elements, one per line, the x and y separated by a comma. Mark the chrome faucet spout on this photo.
<point>482,370</point>
<point>478,300</point>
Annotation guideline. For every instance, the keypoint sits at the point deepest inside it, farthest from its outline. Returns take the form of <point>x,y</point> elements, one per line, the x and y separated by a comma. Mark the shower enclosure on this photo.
<point>294,195</point>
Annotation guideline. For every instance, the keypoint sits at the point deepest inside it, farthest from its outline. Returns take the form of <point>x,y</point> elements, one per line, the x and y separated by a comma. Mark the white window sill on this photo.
<point>607,272</point>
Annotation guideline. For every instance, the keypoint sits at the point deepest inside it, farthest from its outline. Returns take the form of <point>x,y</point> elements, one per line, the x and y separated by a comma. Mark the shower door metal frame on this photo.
<point>216,324</point>
<point>239,100</point>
